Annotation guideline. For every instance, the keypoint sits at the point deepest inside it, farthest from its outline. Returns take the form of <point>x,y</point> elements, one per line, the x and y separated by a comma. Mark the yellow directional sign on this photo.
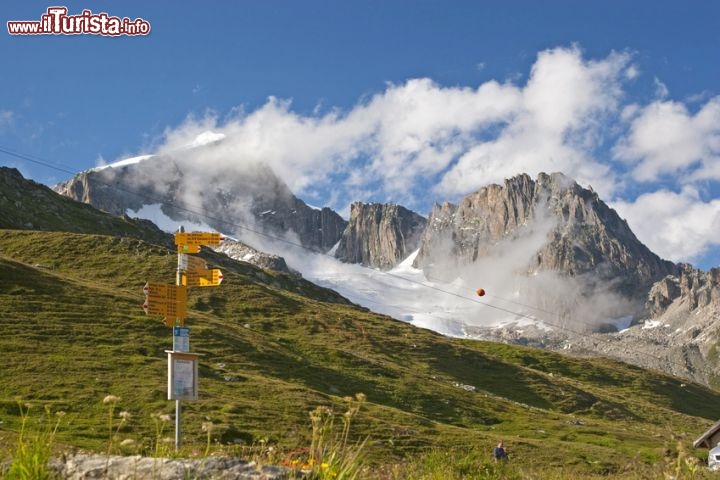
<point>165,300</point>
<point>188,249</point>
<point>198,238</point>
<point>189,263</point>
<point>165,291</point>
<point>203,278</point>
<point>157,307</point>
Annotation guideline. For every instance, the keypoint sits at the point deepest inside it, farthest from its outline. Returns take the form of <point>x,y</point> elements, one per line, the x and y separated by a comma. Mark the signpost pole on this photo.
<point>178,409</point>
<point>177,425</point>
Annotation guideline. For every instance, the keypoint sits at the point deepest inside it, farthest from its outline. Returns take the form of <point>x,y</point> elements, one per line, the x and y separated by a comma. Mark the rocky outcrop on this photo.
<point>236,201</point>
<point>114,467</point>
<point>380,235</point>
<point>684,299</point>
<point>245,253</point>
<point>661,295</point>
<point>700,288</point>
<point>584,236</point>
<point>689,290</point>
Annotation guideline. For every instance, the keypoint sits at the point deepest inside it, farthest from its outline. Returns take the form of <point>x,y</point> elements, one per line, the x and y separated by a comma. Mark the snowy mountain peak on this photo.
<point>205,138</point>
<point>122,163</point>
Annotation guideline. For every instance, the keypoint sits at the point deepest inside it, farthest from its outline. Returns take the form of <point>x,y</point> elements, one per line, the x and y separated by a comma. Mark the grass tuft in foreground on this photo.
<point>331,455</point>
<point>34,445</point>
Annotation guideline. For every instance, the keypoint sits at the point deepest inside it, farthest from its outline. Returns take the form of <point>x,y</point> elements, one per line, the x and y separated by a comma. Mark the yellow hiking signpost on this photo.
<point>164,290</point>
<point>170,301</point>
<point>188,249</point>
<point>191,242</point>
<point>202,278</point>
<point>161,307</point>
<point>166,300</point>
<point>198,238</point>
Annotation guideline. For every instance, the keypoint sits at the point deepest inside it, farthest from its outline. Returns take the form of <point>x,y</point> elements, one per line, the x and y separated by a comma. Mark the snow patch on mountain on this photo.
<point>122,163</point>
<point>405,293</point>
<point>334,248</point>
<point>154,213</point>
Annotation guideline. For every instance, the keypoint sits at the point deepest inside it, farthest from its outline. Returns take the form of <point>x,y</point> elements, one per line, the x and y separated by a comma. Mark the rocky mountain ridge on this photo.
<point>246,253</point>
<point>584,235</point>
<point>675,309</point>
<point>253,200</point>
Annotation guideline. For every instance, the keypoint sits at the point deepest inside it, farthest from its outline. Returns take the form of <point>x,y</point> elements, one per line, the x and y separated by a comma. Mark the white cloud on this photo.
<point>452,139</point>
<point>556,127</point>
<point>676,226</point>
<point>632,72</point>
<point>419,128</point>
<point>7,119</point>
<point>664,138</point>
<point>406,132</point>
<point>661,90</point>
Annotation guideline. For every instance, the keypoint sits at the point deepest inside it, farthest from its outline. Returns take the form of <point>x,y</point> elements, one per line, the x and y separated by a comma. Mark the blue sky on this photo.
<point>411,102</point>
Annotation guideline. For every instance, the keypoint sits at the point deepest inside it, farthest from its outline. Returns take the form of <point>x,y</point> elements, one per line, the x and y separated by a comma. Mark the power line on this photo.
<point>30,158</point>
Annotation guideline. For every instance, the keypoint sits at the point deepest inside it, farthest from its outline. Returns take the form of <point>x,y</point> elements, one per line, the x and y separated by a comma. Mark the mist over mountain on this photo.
<point>247,197</point>
<point>549,239</point>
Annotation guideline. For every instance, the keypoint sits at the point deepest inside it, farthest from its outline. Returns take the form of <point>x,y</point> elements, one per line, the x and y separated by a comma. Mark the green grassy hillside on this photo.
<point>274,347</point>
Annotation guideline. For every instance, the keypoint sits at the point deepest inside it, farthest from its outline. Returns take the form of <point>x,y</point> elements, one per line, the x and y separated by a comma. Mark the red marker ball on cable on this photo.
<point>480,292</point>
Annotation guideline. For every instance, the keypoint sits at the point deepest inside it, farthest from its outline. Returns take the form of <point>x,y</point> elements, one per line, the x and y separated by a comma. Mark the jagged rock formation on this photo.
<point>380,235</point>
<point>247,198</point>
<point>694,288</point>
<point>246,253</point>
<point>585,236</point>
<point>662,294</point>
